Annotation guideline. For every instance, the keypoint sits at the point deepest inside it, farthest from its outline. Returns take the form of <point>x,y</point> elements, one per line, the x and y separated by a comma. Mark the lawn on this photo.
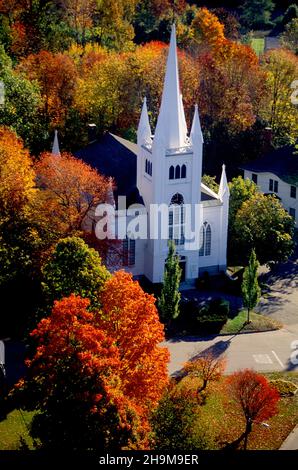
<point>258,45</point>
<point>15,427</point>
<point>258,323</point>
<point>228,423</point>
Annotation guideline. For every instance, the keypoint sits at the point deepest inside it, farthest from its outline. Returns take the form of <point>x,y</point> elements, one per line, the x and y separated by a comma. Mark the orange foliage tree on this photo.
<point>207,367</point>
<point>97,376</point>
<point>74,383</point>
<point>71,189</point>
<point>131,318</point>
<point>56,75</point>
<point>255,396</point>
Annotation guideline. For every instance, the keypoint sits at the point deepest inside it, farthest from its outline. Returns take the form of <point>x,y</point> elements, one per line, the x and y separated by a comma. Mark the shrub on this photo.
<point>284,387</point>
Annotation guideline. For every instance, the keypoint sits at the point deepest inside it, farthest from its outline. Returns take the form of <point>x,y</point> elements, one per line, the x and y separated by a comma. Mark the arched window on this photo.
<point>177,219</point>
<point>177,172</point>
<point>171,172</point>
<point>183,171</point>
<point>205,240</point>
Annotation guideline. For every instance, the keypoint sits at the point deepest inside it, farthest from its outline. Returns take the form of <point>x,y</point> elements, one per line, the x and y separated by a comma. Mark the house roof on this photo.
<point>281,162</point>
<point>117,157</point>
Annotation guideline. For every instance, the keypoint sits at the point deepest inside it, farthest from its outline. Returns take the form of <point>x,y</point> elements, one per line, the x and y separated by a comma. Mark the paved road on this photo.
<point>265,352</point>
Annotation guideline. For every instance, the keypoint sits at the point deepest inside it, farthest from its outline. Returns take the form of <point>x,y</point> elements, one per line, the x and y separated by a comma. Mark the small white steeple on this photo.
<point>55,148</point>
<point>224,191</point>
<point>196,130</point>
<point>171,124</point>
<point>144,129</point>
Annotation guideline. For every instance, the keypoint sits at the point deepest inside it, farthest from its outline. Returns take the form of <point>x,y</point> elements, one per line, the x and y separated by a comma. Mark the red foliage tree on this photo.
<point>256,397</point>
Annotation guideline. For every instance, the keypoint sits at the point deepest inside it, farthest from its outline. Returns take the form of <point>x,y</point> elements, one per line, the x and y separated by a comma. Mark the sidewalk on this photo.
<point>291,442</point>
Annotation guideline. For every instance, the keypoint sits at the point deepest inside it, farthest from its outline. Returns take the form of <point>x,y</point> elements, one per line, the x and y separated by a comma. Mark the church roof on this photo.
<point>281,162</point>
<point>116,157</point>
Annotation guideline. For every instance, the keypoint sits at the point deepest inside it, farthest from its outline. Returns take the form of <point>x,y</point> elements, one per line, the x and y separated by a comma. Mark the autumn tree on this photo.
<point>255,396</point>
<point>22,239</point>
<point>207,367</point>
<point>282,69</point>
<point>73,383</point>
<point>177,422</point>
<point>207,29</point>
<point>71,190</point>
<point>169,300</point>
<point>264,225</point>
<point>130,317</point>
<point>251,291</point>
<point>73,268</point>
<point>56,76</point>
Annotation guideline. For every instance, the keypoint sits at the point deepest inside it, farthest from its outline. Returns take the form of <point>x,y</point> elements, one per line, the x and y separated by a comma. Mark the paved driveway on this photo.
<point>265,352</point>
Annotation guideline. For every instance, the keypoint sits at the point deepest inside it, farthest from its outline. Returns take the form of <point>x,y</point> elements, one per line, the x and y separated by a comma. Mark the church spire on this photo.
<point>144,129</point>
<point>224,191</point>
<point>55,148</point>
<point>196,131</point>
<point>171,127</point>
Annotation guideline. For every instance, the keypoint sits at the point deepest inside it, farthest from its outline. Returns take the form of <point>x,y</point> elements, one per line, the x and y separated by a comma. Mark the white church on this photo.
<point>166,168</point>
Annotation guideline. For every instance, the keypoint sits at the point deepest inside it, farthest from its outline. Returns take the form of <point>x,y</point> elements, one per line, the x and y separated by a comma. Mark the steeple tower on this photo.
<point>224,191</point>
<point>55,148</point>
<point>171,125</point>
<point>144,129</point>
<point>196,131</point>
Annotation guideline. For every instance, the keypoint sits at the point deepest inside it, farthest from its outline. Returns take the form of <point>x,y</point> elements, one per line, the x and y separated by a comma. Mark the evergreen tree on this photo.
<point>251,291</point>
<point>257,13</point>
<point>170,296</point>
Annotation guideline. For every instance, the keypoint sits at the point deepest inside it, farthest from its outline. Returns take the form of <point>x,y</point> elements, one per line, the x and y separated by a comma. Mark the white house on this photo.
<point>166,168</point>
<point>277,173</point>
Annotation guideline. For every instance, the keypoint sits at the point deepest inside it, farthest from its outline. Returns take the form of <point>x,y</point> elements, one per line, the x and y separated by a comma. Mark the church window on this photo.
<point>146,166</point>
<point>293,192</point>
<point>129,252</point>
<point>183,171</point>
<point>205,240</point>
<point>171,172</point>
<point>254,178</point>
<point>176,219</point>
<point>292,212</point>
<point>150,168</point>
<point>177,172</point>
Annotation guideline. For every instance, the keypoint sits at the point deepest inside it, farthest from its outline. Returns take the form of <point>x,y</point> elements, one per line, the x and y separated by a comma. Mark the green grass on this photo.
<point>258,323</point>
<point>258,44</point>
<point>15,427</point>
<point>227,421</point>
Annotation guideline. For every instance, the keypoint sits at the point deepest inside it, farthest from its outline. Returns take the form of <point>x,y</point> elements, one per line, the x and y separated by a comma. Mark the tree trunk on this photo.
<point>248,315</point>
<point>246,434</point>
<point>205,383</point>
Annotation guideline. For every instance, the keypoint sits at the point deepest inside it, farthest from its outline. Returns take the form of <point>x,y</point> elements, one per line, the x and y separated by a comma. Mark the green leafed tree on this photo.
<point>264,225</point>
<point>170,296</point>
<point>74,268</point>
<point>251,291</point>
<point>257,13</point>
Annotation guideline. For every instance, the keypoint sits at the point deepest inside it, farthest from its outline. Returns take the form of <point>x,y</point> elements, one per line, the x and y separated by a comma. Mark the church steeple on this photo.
<point>144,129</point>
<point>196,131</point>
<point>224,191</point>
<point>171,125</point>
<point>55,148</point>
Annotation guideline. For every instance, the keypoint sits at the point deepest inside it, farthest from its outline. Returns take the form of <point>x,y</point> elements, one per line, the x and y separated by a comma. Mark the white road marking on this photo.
<point>278,360</point>
<point>262,358</point>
